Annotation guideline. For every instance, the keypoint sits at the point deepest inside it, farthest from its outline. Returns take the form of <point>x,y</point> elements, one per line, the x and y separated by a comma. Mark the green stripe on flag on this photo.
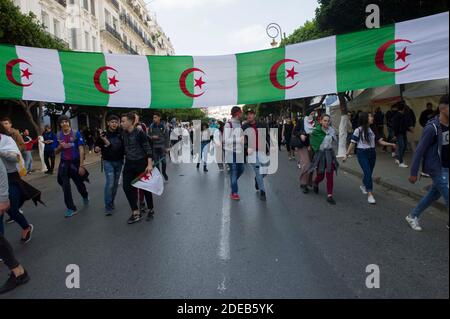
<point>355,59</point>
<point>165,73</point>
<point>7,88</point>
<point>79,70</point>
<point>254,84</point>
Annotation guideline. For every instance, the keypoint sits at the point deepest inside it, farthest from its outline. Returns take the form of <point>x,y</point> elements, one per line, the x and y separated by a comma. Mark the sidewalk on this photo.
<point>389,175</point>
<point>37,167</point>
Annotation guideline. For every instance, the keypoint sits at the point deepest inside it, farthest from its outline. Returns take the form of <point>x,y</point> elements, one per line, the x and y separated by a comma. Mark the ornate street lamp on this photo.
<point>274,31</point>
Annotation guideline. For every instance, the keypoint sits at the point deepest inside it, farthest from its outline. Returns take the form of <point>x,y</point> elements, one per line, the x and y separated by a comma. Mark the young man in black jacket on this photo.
<point>400,127</point>
<point>110,144</point>
<point>138,159</point>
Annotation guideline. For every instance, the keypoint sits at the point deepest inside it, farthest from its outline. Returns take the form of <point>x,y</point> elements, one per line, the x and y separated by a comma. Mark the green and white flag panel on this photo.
<point>410,51</point>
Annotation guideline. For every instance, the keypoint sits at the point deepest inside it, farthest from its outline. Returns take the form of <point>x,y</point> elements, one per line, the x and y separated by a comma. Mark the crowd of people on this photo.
<point>129,148</point>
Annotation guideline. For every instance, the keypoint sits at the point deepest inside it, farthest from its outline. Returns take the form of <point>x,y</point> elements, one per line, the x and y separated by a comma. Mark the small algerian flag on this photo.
<point>152,182</point>
<point>410,51</point>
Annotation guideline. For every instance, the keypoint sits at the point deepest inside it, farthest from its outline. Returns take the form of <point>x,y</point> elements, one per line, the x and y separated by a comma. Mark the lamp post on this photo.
<point>274,31</point>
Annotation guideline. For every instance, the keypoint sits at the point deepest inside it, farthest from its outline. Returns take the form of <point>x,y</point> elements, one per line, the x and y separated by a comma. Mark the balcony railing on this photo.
<point>65,43</point>
<point>133,26</point>
<point>115,3</point>
<point>113,32</point>
<point>129,48</point>
<point>62,2</point>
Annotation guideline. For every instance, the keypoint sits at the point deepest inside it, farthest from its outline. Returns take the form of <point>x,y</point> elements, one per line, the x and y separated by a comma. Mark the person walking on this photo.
<point>256,150</point>
<point>433,153</point>
<point>322,139</point>
<point>71,167</point>
<point>204,149</point>
<point>303,154</point>
<point>15,134</point>
<point>234,142</point>
<point>9,156</point>
<point>288,128</point>
<point>400,128</point>
<point>378,121</point>
<point>138,160</point>
<point>364,139</point>
<point>411,124</point>
<point>110,144</point>
<point>28,156</point>
<point>51,142</point>
<point>18,275</point>
<point>159,136</point>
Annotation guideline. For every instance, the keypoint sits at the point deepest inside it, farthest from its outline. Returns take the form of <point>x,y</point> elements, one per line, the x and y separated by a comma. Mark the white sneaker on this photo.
<point>363,189</point>
<point>402,165</point>
<point>397,162</point>
<point>371,200</point>
<point>299,166</point>
<point>393,155</point>
<point>414,223</point>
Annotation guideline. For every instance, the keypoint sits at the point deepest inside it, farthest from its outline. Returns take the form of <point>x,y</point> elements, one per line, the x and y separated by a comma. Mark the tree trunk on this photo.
<point>342,149</point>
<point>27,107</point>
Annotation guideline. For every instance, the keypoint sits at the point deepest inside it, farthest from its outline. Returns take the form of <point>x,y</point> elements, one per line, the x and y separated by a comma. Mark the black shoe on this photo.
<point>166,178</point>
<point>262,196</point>
<point>205,169</point>
<point>305,189</point>
<point>13,282</point>
<point>316,189</point>
<point>331,200</point>
<point>150,215</point>
<point>28,236</point>
<point>256,185</point>
<point>198,165</point>
<point>10,221</point>
<point>134,218</point>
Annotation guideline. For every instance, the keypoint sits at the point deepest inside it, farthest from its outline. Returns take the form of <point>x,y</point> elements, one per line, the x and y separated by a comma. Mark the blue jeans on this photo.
<point>367,159</point>
<point>258,176</point>
<point>112,174</point>
<point>236,170</point>
<point>204,153</point>
<point>28,158</point>
<point>401,142</point>
<point>438,188</point>
<point>13,211</point>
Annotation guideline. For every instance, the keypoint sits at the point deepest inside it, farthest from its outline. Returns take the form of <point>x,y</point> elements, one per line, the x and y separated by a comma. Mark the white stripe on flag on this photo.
<point>47,76</point>
<point>133,81</point>
<point>316,68</point>
<point>428,52</point>
<point>221,80</point>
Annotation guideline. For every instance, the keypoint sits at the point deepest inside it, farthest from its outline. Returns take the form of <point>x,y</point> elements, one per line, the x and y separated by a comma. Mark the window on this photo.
<point>74,38</point>
<point>107,17</point>
<point>86,5</point>
<point>93,7</point>
<point>56,28</point>
<point>72,2</point>
<point>45,19</point>
<point>94,44</point>
<point>115,26</point>
<point>86,41</point>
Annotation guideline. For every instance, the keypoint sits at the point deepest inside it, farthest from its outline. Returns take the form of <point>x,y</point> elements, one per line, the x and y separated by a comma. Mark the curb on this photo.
<point>398,189</point>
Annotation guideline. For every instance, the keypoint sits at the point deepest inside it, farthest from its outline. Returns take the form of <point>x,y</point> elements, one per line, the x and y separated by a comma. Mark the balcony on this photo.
<point>63,42</point>
<point>62,2</point>
<point>126,20</point>
<point>113,32</point>
<point>128,48</point>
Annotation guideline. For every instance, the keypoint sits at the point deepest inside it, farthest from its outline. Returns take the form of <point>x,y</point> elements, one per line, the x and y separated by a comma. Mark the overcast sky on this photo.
<point>214,27</point>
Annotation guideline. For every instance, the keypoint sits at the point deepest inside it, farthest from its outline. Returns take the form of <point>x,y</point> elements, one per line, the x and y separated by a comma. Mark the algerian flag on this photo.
<point>415,50</point>
<point>304,69</point>
<point>30,74</point>
<point>185,81</point>
<point>153,182</point>
<point>106,79</point>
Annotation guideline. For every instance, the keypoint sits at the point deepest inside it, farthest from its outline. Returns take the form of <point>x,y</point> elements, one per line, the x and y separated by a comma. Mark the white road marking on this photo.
<point>224,242</point>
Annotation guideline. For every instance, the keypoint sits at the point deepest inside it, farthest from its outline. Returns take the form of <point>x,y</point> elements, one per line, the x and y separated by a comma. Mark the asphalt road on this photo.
<point>201,245</point>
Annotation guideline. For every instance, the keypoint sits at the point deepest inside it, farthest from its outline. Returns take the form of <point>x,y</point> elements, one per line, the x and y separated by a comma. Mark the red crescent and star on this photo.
<point>401,55</point>
<point>290,74</point>
<point>24,73</point>
<point>198,82</point>
<point>111,80</point>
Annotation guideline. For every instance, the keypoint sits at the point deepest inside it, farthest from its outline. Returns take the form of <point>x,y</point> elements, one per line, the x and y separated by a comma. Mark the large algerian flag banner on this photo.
<point>410,51</point>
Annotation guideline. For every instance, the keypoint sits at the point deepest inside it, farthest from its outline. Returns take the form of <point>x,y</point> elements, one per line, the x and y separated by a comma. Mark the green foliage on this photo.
<point>309,31</point>
<point>19,29</point>
<point>344,16</point>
